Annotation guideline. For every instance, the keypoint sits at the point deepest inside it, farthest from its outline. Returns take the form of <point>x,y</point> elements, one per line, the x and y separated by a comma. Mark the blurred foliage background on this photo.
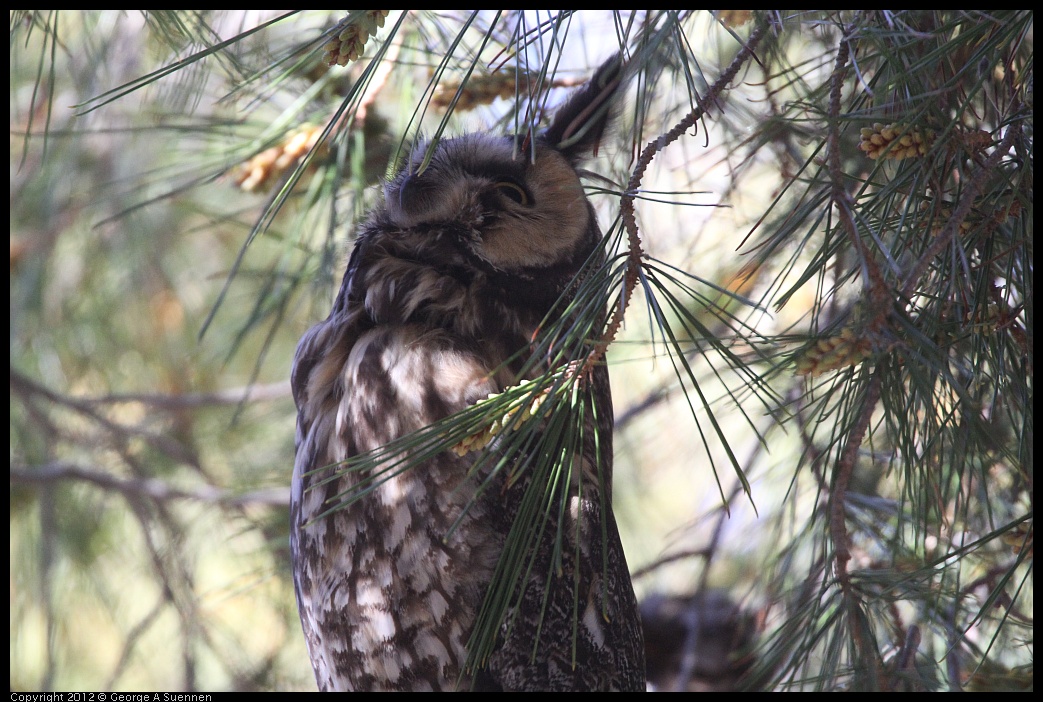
<point>823,386</point>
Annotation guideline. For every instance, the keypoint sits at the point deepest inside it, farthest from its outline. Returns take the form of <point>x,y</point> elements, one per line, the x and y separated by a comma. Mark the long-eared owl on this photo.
<point>478,249</point>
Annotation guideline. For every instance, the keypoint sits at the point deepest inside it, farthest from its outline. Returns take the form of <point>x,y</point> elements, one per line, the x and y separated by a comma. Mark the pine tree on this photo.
<point>819,290</point>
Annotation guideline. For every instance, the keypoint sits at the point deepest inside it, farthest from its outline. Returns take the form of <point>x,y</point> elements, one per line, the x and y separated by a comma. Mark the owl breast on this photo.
<point>387,570</point>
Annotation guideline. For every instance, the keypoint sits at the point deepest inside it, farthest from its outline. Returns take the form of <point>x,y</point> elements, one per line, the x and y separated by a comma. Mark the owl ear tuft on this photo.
<point>578,125</point>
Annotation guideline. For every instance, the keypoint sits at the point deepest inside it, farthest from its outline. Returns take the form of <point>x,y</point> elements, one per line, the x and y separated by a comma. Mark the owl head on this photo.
<point>518,211</point>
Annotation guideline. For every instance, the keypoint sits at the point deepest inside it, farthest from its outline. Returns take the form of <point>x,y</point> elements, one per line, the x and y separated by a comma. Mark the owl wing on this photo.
<point>575,626</point>
<point>318,388</point>
<point>587,638</point>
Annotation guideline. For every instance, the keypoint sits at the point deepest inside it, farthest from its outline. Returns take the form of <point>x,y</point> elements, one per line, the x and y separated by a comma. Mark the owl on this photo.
<point>453,285</point>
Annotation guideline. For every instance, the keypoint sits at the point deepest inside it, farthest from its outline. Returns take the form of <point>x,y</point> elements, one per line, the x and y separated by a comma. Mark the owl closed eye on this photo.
<point>451,283</point>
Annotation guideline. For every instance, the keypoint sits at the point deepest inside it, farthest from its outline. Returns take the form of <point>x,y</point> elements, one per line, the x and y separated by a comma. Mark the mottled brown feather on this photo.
<point>445,293</point>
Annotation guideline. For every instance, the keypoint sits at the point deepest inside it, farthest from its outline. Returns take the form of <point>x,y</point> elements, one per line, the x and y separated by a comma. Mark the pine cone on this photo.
<point>480,90</point>
<point>271,163</point>
<point>898,145</point>
<point>351,37</point>
<point>834,352</point>
<point>527,406</point>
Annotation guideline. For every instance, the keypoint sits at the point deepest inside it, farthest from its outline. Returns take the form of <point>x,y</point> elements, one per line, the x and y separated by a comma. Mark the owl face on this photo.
<point>513,211</point>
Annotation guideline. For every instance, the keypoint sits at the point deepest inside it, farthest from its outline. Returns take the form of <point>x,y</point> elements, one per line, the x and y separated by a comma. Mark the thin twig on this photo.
<point>231,396</point>
<point>26,387</point>
<point>879,295</point>
<point>636,252</point>
<point>837,526</point>
<point>878,290</point>
<point>133,636</point>
<point>151,488</point>
<point>842,201</point>
<point>668,559</point>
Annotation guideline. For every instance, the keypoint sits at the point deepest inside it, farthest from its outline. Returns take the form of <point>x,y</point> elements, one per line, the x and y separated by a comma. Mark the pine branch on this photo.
<point>151,488</point>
